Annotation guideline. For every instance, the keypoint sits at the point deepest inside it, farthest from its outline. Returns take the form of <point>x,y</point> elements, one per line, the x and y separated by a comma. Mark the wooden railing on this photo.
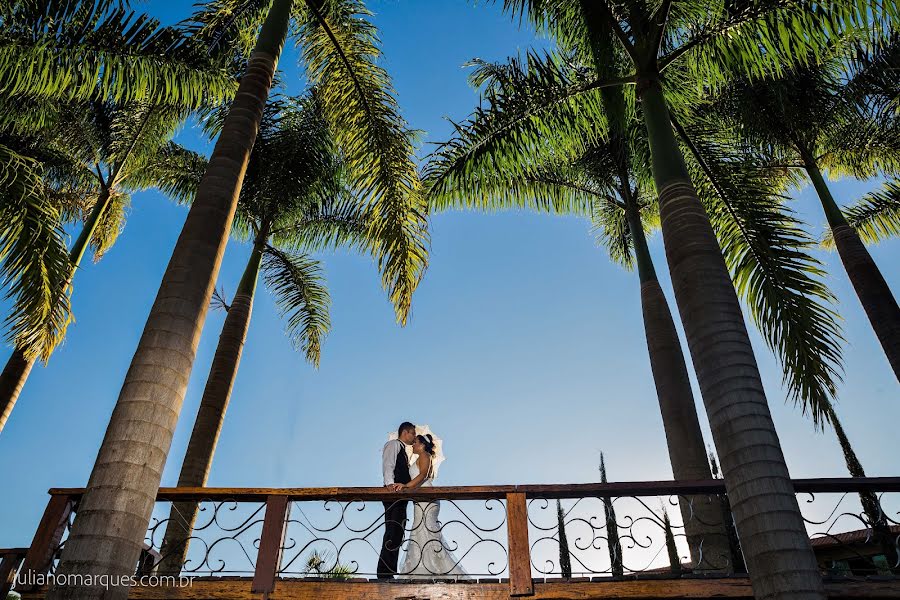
<point>39,557</point>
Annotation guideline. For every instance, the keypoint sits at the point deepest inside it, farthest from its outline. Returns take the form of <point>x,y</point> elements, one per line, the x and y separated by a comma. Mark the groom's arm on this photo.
<point>388,462</point>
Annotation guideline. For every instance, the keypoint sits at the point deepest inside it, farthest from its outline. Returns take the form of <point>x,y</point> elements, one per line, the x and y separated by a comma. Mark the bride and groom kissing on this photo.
<point>427,554</point>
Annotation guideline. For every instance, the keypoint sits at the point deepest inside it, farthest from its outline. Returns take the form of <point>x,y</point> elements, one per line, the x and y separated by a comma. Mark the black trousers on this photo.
<point>394,524</point>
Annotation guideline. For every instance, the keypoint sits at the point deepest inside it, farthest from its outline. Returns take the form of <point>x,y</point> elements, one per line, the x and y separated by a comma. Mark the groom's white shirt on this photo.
<point>389,459</point>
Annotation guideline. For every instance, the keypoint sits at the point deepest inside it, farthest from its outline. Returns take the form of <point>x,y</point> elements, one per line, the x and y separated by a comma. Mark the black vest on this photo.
<point>401,469</point>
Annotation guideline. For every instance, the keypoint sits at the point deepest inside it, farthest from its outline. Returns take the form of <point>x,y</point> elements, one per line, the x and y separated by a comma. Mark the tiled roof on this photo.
<point>848,537</point>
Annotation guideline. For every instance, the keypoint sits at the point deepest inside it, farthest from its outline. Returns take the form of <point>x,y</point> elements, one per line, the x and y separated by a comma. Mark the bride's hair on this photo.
<point>428,442</point>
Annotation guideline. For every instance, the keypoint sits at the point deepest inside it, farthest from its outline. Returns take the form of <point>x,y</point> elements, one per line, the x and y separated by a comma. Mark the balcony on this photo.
<point>625,540</point>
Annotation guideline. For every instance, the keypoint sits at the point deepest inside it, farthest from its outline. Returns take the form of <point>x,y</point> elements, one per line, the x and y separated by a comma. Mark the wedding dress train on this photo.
<point>428,556</point>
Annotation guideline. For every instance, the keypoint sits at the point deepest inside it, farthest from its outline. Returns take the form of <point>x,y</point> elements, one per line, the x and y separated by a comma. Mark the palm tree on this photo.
<point>820,406</point>
<point>669,42</point>
<point>764,247</point>
<point>610,184</point>
<point>808,119</point>
<point>293,200</point>
<point>339,50</point>
<point>66,53</point>
<point>96,155</point>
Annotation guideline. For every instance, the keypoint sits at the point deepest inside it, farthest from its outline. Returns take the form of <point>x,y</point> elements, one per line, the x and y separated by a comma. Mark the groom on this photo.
<point>395,468</point>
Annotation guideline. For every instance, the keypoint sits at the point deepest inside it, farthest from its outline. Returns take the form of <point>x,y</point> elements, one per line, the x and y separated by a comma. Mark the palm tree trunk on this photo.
<point>210,416</point>
<point>868,282</point>
<point>12,380</point>
<point>19,365</point>
<point>869,501</point>
<point>775,543</point>
<point>702,515</point>
<point>115,509</point>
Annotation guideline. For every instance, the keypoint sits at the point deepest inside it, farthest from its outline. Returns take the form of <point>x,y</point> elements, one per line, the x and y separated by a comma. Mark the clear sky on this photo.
<point>525,350</point>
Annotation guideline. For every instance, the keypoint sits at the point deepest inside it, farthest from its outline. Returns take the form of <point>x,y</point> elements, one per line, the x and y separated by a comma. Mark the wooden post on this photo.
<point>47,537</point>
<point>268,559</point>
<point>9,566</point>
<point>520,582</point>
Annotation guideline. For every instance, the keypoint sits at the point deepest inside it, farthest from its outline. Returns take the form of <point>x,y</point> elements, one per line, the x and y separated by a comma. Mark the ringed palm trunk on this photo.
<point>868,282</point>
<point>19,365</point>
<point>114,512</point>
<point>210,416</point>
<point>767,516</point>
<point>702,515</point>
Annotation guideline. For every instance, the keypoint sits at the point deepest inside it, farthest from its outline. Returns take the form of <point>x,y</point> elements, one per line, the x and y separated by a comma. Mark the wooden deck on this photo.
<point>651,589</point>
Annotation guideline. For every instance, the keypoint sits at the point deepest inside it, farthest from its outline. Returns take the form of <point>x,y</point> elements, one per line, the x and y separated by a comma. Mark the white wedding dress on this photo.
<point>428,556</point>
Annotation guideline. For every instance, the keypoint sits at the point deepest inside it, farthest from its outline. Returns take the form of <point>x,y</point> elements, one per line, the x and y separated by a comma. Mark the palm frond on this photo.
<point>330,224</point>
<point>555,189</point>
<point>172,169</point>
<point>874,82</point>
<point>226,29</point>
<point>723,40</point>
<point>875,216</point>
<point>296,161</point>
<point>540,110</point>
<point>26,119</point>
<point>340,49</point>
<point>138,130</point>
<point>862,145</point>
<point>88,50</point>
<point>34,262</point>
<point>297,282</point>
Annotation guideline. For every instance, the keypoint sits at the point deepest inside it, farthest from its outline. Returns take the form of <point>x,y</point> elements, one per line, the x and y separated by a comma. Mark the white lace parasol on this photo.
<point>438,446</point>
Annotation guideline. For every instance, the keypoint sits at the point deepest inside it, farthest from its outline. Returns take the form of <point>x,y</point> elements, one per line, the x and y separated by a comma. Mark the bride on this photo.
<point>427,553</point>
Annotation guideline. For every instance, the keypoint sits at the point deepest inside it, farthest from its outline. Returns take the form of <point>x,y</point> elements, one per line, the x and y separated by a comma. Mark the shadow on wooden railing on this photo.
<point>280,525</point>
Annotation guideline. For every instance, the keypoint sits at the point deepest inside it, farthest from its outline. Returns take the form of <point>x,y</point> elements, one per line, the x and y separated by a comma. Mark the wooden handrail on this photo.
<point>551,491</point>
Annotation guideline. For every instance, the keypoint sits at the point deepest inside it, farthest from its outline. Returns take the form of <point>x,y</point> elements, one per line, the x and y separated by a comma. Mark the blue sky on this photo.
<point>525,351</point>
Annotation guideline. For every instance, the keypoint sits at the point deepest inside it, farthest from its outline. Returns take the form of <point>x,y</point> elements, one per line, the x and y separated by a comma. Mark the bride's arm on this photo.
<point>424,463</point>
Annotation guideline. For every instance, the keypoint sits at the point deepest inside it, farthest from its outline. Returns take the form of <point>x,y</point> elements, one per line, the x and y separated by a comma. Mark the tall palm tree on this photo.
<point>68,52</point>
<point>808,119</point>
<point>764,247</point>
<point>611,184</point>
<point>669,42</point>
<point>339,50</point>
<point>97,154</point>
<point>293,200</point>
